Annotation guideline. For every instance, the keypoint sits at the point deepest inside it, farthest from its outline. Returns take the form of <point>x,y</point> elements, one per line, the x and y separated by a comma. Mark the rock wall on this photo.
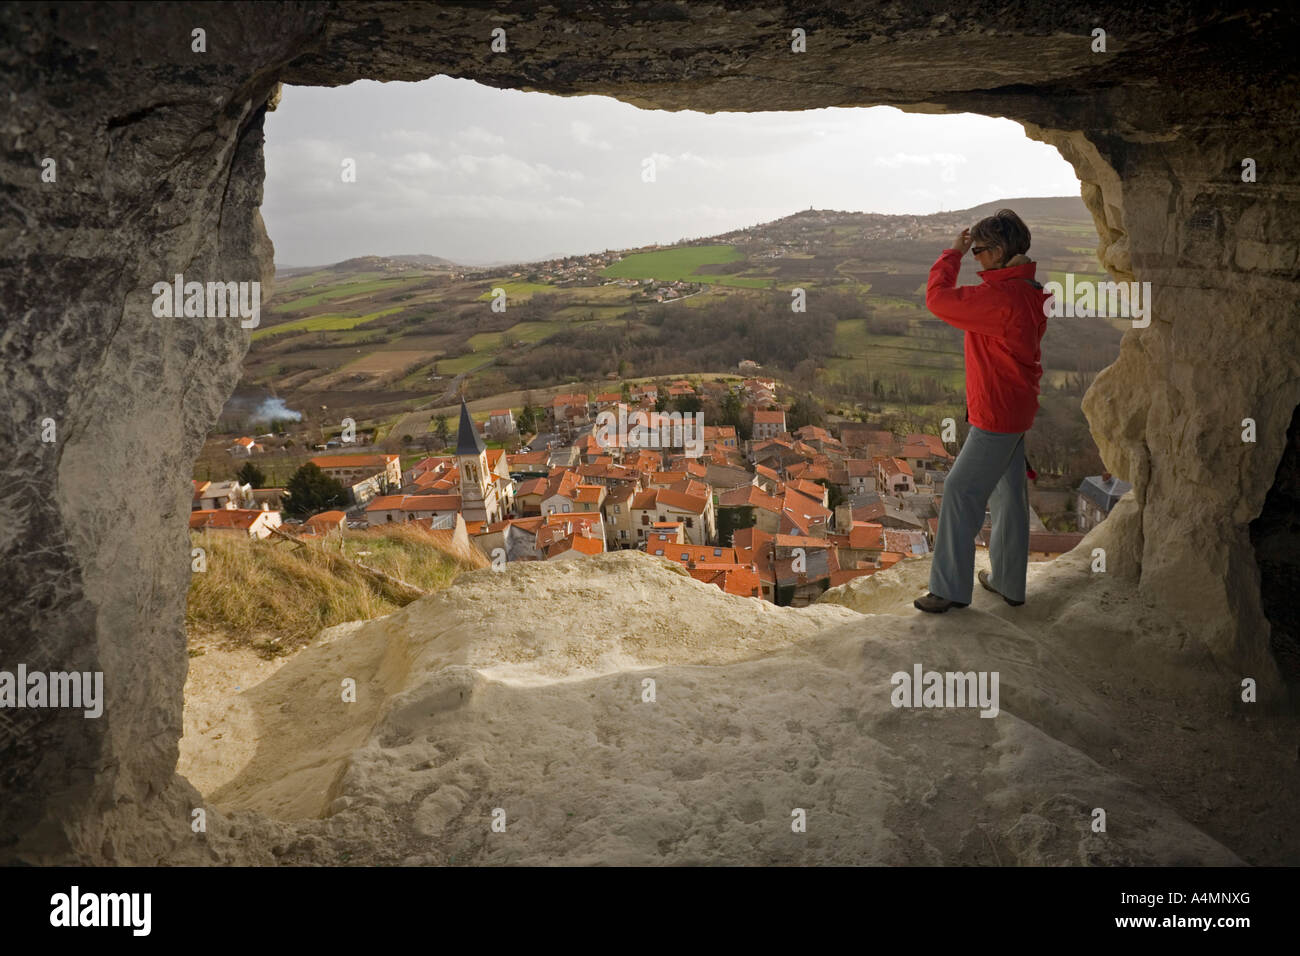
<point>157,150</point>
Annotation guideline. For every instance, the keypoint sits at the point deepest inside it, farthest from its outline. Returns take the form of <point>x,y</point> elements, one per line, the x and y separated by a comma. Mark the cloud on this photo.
<point>477,136</point>
<point>921,159</point>
<point>584,134</point>
<point>666,161</point>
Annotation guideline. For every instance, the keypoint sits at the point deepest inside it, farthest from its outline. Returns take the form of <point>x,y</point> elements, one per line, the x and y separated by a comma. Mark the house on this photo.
<point>665,504</point>
<point>939,453</point>
<point>858,435</point>
<point>245,447</point>
<point>691,555</point>
<point>894,476</point>
<point>529,495</point>
<point>748,507</point>
<point>617,508</point>
<point>501,423</point>
<point>272,498</point>
<point>917,455</point>
<point>568,409</point>
<point>768,423</point>
<point>570,536</point>
<point>818,492</point>
<point>803,515</point>
<point>665,532</point>
<point>864,543</point>
<point>388,509</point>
<point>795,570</point>
<point>363,476</point>
<point>907,543</point>
<point>861,475</point>
<point>1096,496</point>
<point>604,400</point>
<point>325,523</point>
<point>560,493</point>
<point>519,539</point>
<point>247,521</point>
<point>738,579</point>
<point>1045,545</point>
<point>720,436</point>
<point>210,495</point>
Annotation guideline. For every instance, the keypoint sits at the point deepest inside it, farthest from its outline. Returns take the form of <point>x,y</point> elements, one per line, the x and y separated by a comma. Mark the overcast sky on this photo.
<point>451,168</point>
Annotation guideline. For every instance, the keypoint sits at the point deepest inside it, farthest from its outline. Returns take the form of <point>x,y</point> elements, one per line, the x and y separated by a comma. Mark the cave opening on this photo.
<point>1275,538</point>
<point>341,191</point>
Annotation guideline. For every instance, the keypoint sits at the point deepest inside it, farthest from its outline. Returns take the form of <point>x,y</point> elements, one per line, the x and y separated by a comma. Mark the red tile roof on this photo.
<point>379,462</point>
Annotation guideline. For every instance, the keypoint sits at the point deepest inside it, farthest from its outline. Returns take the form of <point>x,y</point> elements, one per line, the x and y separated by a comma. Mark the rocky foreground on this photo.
<point>521,700</point>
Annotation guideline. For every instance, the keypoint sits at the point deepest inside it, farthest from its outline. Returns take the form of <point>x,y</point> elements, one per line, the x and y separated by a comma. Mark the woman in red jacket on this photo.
<point>1004,319</point>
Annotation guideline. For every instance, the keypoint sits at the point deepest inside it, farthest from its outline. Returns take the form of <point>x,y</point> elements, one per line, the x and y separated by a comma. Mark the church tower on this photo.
<point>478,490</point>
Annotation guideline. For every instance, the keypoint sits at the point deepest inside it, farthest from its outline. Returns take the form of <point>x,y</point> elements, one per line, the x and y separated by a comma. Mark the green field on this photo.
<point>463,363</point>
<point>669,265</point>
<point>517,290</point>
<point>325,323</point>
<point>344,291</point>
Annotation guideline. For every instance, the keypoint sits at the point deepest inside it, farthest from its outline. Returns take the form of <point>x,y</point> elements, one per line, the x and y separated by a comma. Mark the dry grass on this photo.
<point>275,595</point>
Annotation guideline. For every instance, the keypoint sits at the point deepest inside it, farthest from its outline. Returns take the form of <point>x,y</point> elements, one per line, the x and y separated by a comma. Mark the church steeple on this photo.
<point>468,441</point>
<point>479,499</point>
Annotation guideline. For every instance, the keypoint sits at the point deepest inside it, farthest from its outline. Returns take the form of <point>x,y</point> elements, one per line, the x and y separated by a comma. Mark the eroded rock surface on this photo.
<point>650,718</point>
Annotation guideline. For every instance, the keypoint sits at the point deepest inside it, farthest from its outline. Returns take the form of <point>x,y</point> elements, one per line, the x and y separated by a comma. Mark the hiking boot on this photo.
<point>984,580</point>
<point>935,604</point>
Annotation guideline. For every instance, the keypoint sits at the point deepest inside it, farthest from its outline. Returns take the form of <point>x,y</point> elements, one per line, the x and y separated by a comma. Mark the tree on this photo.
<point>527,420</point>
<point>805,410</point>
<point>311,490</point>
<point>250,474</point>
<point>834,496</point>
<point>441,431</point>
<point>687,404</point>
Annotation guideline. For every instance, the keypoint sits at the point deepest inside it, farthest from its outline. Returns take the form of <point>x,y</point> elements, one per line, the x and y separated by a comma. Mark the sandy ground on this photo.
<point>221,731</point>
<point>522,697</point>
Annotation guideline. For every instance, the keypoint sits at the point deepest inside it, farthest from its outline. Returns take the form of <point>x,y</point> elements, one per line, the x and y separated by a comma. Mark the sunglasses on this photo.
<point>978,250</point>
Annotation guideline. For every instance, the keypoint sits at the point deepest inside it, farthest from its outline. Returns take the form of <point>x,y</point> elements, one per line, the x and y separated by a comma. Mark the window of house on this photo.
<point>645,519</point>
<point>689,523</point>
<point>617,510</point>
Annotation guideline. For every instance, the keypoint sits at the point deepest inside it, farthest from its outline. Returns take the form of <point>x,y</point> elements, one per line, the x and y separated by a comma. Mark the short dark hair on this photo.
<point>1005,230</point>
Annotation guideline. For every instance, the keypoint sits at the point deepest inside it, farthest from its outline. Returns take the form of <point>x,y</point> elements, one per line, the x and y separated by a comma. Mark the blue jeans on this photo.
<point>989,473</point>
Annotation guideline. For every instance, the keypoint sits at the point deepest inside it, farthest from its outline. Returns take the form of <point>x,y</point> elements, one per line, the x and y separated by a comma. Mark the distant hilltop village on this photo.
<point>781,516</point>
<point>768,240</point>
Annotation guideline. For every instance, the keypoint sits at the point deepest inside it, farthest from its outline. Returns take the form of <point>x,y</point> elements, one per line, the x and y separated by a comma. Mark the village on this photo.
<point>781,516</point>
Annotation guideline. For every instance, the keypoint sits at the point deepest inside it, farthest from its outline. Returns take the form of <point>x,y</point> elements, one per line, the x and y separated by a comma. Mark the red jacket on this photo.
<point>1004,323</point>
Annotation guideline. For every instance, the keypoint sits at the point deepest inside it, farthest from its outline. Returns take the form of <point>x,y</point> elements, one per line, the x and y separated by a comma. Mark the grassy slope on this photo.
<point>275,597</point>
